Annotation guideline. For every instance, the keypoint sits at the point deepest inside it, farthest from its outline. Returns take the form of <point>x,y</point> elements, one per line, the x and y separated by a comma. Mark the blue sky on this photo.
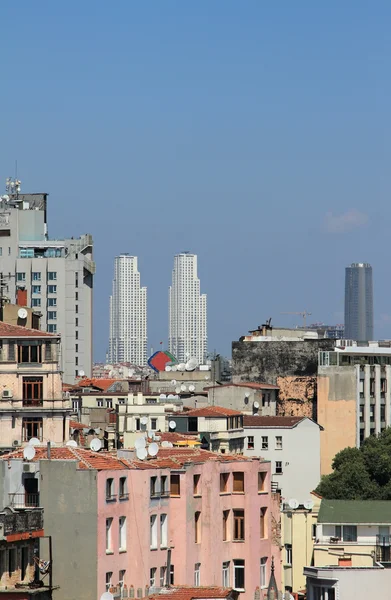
<point>254,134</point>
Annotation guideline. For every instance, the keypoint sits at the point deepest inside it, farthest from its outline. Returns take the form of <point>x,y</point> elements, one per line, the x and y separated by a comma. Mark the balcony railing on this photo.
<point>383,540</point>
<point>23,500</point>
<point>22,522</point>
<point>32,402</point>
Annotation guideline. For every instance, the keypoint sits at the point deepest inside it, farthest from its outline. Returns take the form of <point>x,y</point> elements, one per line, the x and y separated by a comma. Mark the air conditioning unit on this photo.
<point>16,443</point>
<point>7,394</point>
<point>28,468</point>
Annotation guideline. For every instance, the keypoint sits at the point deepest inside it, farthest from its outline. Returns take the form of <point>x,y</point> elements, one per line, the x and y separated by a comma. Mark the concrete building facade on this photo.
<point>248,398</point>
<point>57,275</point>
<point>188,336</point>
<point>359,302</point>
<point>128,314</point>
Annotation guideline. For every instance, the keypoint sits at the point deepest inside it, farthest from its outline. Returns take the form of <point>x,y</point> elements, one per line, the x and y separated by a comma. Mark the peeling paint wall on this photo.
<point>297,396</point>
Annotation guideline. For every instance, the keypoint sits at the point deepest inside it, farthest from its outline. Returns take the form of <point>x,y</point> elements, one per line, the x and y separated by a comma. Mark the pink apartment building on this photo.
<point>186,517</point>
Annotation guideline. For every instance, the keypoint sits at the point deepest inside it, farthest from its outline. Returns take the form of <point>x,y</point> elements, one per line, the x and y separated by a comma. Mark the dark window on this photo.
<point>238,487</point>
<point>32,391</point>
<point>197,527</point>
<point>163,485</point>
<point>110,496</point>
<point>238,525</point>
<point>11,561</point>
<point>192,424</point>
<point>24,561</point>
<point>225,525</point>
<point>263,522</point>
<point>224,479</point>
<point>30,353</point>
<point>123,489</point>
<point>31,427</point>
<point>196,485</point>
<point>175,485</point>
<point>250,442</point>
<point>171,574</point>
<point>153,487</point>
<point>239,574</point>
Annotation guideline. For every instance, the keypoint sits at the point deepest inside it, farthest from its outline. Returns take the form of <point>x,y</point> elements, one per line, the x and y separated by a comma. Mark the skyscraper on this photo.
<point>128,314</point>
<point>187,311</point>
<point>359,302</point>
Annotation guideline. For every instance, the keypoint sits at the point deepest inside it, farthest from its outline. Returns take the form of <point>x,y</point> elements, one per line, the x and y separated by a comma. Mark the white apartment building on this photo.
<point>57,275</point>
<point>187,311</point>
<point>128,314</point>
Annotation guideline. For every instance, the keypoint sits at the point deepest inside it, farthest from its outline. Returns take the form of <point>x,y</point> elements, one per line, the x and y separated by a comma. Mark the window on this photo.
<point>11,561</point>
<point>53,329</point>
<point>263,577</point>
<point>99,403</point>
<point>278,442</point>
<point>76,295</point>
<point>20,276</point>
<point>197,527</point>
<point>153,531</point>
<point>163,531</point>
<point>109,403</point>
<point>109,577</point>
<point>76,335</point>
<point>224,480</point>
<point>32,427</point>
<point>196,485</point>
<point>153,424</point>
<point>238,482</point>
<point>52,289</point>
<point>239,575</point>
<point>172,575</point>
<point>122,533</point>
<point>75,404</point>
<point>163,486</point>
<point>52,276</point>
<point>152,577</point>
<point>76,322</point>
<point>163,576</point>
<point>153,486</point>
<point>263,522</point>
<point>225,525</point>
<point>24,561</point>
<point>110,496</point>
<point>265,442</point>
<point>250,442</point>
<point>35,302</point>
<point>238,534</point>
<point>36,276</point>
<point>197,574</point>
<point>123,488</point>
<point>347,533</point>
<point>288,554</point>
<point>278,467</point>
<point>30,354</point>
<point>109,540</point>
<point>52,315</point>
<point>76,308</point>
<point>226,574</point>
<point>76,279</point>
<point>261,481</point>
<point>175,485</point>
<point>52,301</point>
<point>35,289</point>
<point>322,593</point>
<point>76,360</point>
<point>32,390</point>
<point>76,347</point>
<point>121,578</point>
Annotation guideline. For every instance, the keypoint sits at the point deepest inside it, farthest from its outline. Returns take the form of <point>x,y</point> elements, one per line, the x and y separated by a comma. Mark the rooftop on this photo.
<point>102,384</point>
<point>272,421</point>
<point>16,331</point>
<point>190,593</point>
<point>368,512</point>
<point>252,385</point>
<point>212,411</point>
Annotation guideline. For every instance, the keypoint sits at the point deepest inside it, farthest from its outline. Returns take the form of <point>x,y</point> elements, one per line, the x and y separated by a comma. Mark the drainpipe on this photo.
<point>48,447</point>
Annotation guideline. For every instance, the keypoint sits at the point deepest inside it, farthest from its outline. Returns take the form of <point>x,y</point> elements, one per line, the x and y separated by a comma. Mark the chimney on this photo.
<point>21,297</point>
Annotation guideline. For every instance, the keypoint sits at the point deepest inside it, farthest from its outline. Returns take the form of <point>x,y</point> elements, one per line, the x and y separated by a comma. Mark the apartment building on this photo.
<point>32,402</point>
<point>354,388</point>
<point>57,275</point>
<point>347,583</point>
<point>185,517</point>
<point>248,397</point>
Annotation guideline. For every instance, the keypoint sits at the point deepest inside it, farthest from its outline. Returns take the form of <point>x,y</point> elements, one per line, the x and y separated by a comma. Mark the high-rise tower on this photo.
<point>359,302</point>
<point>187,311</point>
<point>128,314</point>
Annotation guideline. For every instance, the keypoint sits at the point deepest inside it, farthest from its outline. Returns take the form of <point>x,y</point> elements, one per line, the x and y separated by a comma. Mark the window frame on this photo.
<point>238,486</point>
<point>238,525</point>
<point>239,566</point>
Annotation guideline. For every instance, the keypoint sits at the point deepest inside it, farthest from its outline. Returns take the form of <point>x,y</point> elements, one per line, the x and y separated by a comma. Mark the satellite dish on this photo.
<point>139,443</point>
<point>173,381</point>
<point>207,377</point>
<point>172,425</point>
<point>168,368</point>
<point>181,367</point>
<point>97,430</point>
<point>153,449</point>
<point>71,444</point>
<point>29,452</point>
<point>174,368</point>
<point>191,364</point>
<point>141,453</point>
<point>144,420</point>
<point>293,503</point>
<point>81,373</point>
<point>165,444</point>
<point>151,434</point>
<point>191,388</point>
<point>178,389</point>
<point>107,596</point>
<point>170,445</point>
<point>162,396</point>
<point>256,404</point>
<point>247,394</point>
<point>95,445</point>
<point>170,397</point>
<point>34,442</point>
<point>308,504</point>
<point>183,388</point>
<point>22,313</point>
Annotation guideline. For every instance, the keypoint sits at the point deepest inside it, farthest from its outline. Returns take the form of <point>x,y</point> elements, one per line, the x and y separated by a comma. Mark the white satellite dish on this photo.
<point>81,373</point>
<point>170,445</point>
<point>247,394</point>
<point>172,425</point>
<point>151,434</point>
<point>22,313</point>
<point>308,504</point>
<point>181,367</point>
<point>167,368</point>
<point>173,381</point>
<point>139,443</point>
<point>191,388</point>
<point>107,596</point>
<point>183,388</point>
<point>256,404</point>
<point>162,396</point>
<point>71,444</point>
<point>165,444</point>
<point>153,449</point>
<point>293,503</point>
<point>95,445</point>
<point>191,364</point>
<point>29,452</point>
<point>170,397</point>
<point>141,453</point>
<point>178,389</point>
<point>144,420</point>
<point>174,368</point>
<point>34,442</point>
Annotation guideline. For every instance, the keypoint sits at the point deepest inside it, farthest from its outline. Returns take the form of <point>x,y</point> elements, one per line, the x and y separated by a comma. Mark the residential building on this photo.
<point>148,522</point>
<point>220,429</point>
<point>359,302</point>
<point>128,314</point>
<point>353,381</point>
<point>195,593</point>
<point>336,332</point>
<point>187,311</point>
<point>292,444</point>
<point>57,275</point>
<point>353,533</point>
<point>248,397</point>
<point>347,583</point>
<point>32,401</point>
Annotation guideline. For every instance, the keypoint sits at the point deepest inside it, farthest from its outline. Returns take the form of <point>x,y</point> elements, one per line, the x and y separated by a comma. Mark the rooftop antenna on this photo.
<point>12,186</point>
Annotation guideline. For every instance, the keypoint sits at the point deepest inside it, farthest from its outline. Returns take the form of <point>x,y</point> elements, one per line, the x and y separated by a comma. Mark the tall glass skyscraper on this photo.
<point>359,302</point>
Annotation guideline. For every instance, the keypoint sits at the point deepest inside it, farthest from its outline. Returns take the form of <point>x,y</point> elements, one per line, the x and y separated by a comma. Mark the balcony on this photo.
<point>12,523</point>
<point>23,500</point>
<point>32,402</point>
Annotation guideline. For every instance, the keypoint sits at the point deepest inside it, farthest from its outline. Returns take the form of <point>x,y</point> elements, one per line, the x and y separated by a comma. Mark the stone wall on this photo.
<point>297,396</point>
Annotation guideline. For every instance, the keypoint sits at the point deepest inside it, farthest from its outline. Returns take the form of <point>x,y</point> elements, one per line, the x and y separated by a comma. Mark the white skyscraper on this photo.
<point>128,314</point>
<point>187,311</point>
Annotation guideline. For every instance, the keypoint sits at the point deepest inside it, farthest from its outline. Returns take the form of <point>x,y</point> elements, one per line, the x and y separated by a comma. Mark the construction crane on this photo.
<point>303,314</point>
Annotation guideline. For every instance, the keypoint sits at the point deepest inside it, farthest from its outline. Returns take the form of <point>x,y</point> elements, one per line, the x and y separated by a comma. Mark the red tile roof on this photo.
<point>258,421</point>
<point>16,331</point>
<point>102,384</point>
<point>212,411</point>
<point>190,593</point>
<point>173,436</point>
<point>253,385</point>
<point>86,458</point>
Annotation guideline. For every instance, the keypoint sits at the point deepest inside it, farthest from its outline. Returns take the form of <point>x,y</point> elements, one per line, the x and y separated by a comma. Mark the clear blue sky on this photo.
<point>255,134</point>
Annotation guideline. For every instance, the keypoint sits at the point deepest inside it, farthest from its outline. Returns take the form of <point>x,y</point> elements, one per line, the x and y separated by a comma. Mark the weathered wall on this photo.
<point>297,396</point>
